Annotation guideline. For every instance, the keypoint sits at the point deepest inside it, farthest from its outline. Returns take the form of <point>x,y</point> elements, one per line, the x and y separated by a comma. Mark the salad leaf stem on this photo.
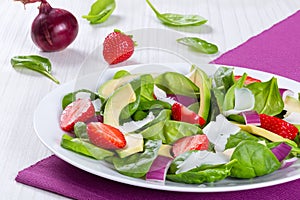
<point>177,19</point>
<point>35,63</point>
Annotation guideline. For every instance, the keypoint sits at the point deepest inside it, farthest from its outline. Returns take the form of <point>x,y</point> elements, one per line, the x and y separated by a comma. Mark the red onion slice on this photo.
<point>158,169</point>
<point>288,162</point>
<point>281,151</point>
<point>184,100</point>
<point>251,118</point>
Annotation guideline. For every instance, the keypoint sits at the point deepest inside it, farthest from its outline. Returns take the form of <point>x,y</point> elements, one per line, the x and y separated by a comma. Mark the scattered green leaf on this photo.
<point>198,45</point>
<point>178,19</point>
<point>35,63</point>
<point>100,11</point>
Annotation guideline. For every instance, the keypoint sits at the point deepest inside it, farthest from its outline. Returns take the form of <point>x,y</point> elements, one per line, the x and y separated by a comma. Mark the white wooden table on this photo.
<point>230,23</point>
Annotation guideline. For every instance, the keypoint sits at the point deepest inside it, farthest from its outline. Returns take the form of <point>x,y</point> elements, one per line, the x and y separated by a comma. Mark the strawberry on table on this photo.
<point>194,142</point>
<point>105,136</point>
<point>182,113</point>
<point>80,110</point>
<point>117,47</point>
<point>248,80</point>
<point>278,126</point>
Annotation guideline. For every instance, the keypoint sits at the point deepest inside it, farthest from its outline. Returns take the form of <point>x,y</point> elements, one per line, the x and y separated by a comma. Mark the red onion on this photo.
<point>281,151</point>
<point>288,162</point>
<point>184,100</point>
<point>251,117</point>
<point>53,29</point>
<point>158,169</point>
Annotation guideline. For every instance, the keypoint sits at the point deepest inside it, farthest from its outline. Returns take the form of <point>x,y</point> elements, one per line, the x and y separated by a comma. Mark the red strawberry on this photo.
<point>248,80</point>
<point>105,136</point>
<point>182,113</point>
<point>78,111</point>
<point>117,47</point>
<point>194,142</point>
<point>278,126</point>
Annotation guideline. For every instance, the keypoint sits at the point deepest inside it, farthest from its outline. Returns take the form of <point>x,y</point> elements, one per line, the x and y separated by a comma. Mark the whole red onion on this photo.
<point>53,29</point>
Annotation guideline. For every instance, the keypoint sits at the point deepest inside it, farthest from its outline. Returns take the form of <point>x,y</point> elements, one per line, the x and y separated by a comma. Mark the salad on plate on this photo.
<point>189,128</point>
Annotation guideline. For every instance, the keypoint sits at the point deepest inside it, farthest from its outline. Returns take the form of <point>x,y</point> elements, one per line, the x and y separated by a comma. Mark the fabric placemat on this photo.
<point>55,175</point>
<point>275,50</point>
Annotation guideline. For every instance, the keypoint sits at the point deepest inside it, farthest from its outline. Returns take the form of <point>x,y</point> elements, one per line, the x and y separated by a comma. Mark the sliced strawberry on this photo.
<point>248,80</point>
<point>105,136</point>
<point>80,110</point>
<point>182,113</point>
<point>194,142</point>
<point>117,47</point>
<point>278,126</point>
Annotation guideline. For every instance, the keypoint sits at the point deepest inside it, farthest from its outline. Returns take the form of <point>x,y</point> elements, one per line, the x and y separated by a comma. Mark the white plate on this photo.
<point>46,125</point>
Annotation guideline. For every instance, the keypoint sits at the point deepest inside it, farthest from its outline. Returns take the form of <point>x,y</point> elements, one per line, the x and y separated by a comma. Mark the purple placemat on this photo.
<point>55,175</point>
<point>276,50</point>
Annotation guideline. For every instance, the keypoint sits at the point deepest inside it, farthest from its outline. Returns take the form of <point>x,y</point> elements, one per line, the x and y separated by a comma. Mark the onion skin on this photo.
<point>53,29</point>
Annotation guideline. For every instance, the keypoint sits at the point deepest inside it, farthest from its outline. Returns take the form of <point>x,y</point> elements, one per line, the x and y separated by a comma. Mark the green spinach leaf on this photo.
<point>137,165</point>
<point>70,97</point>
<point>267,97</point>
<point>178,19</point>
<point>235,139</point>
<point>254,160</point>
<point>173,130</point>
<point>80,131</point>
<point>176,83</point>
<point>202,174</point>
<point>100,11</point>
<point>35,63</point>
<point>199,45</point>
<point>85,148</point>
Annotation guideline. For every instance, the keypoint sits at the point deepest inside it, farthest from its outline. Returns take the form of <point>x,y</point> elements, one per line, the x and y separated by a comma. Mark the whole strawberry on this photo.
<point>278,126</point>
<point>117,47</point>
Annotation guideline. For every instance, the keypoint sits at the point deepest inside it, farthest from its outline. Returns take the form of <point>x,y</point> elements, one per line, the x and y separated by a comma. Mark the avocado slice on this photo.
<point>108,88</point>
<point>165,150</point>
<point>134,144</point>
<point>200,79</point>
<point>116,102</point>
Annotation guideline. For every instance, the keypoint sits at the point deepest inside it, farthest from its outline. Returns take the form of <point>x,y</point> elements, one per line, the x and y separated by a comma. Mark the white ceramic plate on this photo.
<point>46,118</point>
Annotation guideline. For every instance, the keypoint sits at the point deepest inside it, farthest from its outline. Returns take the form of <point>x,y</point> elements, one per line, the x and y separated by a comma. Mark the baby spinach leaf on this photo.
<point>254,159</point>
<point>137,165</point>
<point>80,131</point>
<point>70,97</point>
<point>100,11</point>
<point>35,63</point>
<point>235,139</point>
<point>202,174</point>
<point>267,97</point>
<point>178,19</point>
<point>85,148</point>
<point>175,83</point>
<point>120,74</point>
<point>198,45</point>
<point>229,100</point>
<point>173,130</point>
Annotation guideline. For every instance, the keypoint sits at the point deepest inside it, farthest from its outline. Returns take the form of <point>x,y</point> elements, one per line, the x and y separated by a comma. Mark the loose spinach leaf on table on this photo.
<point>137,165</point>
<point>199,45</point>
<point>177,19</point>
<point>253,159</point>
<point>100,11</point>
<point>35,63</point>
